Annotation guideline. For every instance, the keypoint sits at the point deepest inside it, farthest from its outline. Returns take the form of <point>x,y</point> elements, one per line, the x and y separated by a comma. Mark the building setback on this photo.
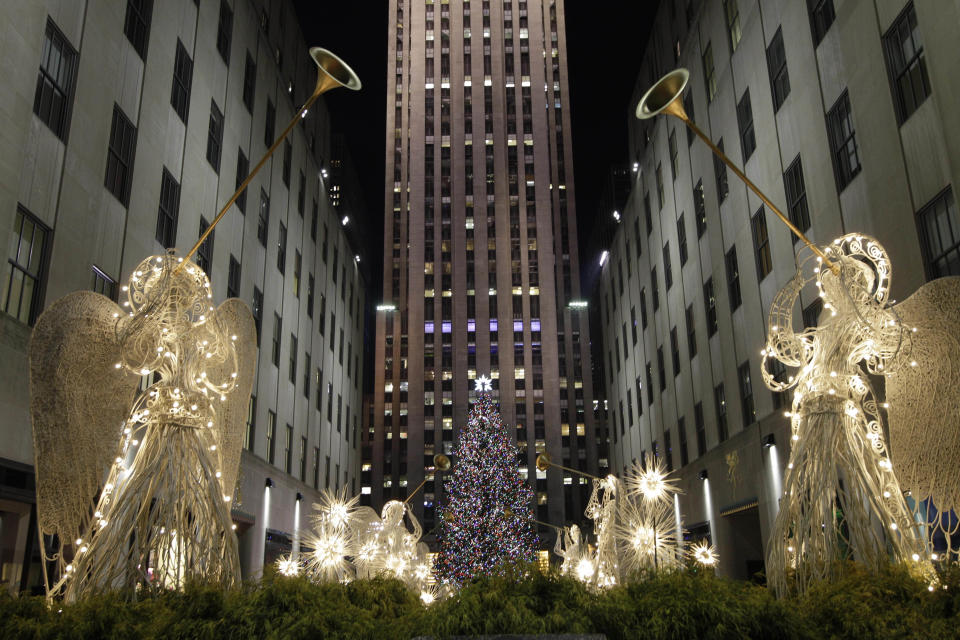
<point>847,117</point>
<point>480,250</point>
<point>125,127</point>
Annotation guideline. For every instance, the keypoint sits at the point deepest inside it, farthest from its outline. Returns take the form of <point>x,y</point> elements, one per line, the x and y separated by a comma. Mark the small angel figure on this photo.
<point>572,548</point>
<point>386,545</point>
<point>841,496</point>
<point>162,516</point>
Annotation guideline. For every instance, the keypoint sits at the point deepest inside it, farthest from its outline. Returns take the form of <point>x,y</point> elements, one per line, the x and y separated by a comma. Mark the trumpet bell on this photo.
<point>333,72</point>
<point>665,96</point>
<point>544,461</point>
<point>441,462</point>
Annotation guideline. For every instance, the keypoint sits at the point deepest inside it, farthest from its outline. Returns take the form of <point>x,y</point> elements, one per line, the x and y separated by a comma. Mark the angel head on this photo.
<point>860,274</point>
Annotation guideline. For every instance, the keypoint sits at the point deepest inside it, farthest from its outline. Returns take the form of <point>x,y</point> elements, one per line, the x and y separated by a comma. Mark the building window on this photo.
<point>777,67</point>
<point>214,136</point>
<point>700,428</point>
<point>796,196</point>
<point>23,290</point>
<point>908,69</point>
<point>257,311</point>
<point>243,168</point>
<point>673,154</point>
<point>661,369</point>
<point>310,286</point>
<point>761,243</point>
<point>688,107</point>
<point>643,308</point>
<point>821,17</point>
<point>233,278</point>
<point>709,73</point>
<point>682,240</point>
<point>746,394</point>
<point>654,289</point>
<point>940,236</point>
<point>733,278</point>
<point>277,332</point>
<point>691,331</point>
<point>123,141</point>
<point>53,99</point>
<point>684,451</point>
<point>136,25</point>
<point>249,436</point>
<point>224,35</point>
<point>293,358</point>
<point>675,351</point>
<point>182,80</point>
<point>301,194</point>
<point>303,458</point>
<point>732,14</point>
<point>249,82</point>
<point>710,307</point>
<point>811,313</point>
<point>720,400</point>
<point>699,209</point>
<point>168,211</point>
<point>263,220</point>
<point>104,284</point>
<point>269,123</point>
<point>667,270</point>
<point>271,435</point>
<point>659,187</point>
<point>205,250</point>
<point>748,141</point>
<point>287,161</point>
<point>779,373</point>
<point>843,142</point>
<point>668,449</point>
<point>282,249</point>
<point>297,260</point>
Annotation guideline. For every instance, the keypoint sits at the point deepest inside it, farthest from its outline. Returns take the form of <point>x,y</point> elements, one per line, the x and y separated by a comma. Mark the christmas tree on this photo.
<point>485,522</point>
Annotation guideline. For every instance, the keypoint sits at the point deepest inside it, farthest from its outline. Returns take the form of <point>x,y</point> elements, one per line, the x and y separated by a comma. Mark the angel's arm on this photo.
<point>783,343</point>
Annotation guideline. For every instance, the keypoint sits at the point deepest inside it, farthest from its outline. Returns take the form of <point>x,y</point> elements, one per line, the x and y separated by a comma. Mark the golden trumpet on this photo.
<point>544,462</point>
<point>332,72</point>
<point>665,97</point>
<point>440,463</point>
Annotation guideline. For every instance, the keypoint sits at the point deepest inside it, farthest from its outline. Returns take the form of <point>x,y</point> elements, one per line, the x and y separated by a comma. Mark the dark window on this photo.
<point>659,187</point>
<point>691,331</point>
<point>649,383</point>
<point>732,14</point>
<point>668,449</point>
<point>733,278</point>
<point>710,307</point>
<point>136,25</point>
<point>104,284</point>
<point>277,331</point>
<point>654,289</point>
<point>675,351</point>
<point>269,124</point>
<point>821,17</point>
<point>720,400</point>
<point>647,214</point>
<point>643,308</point>
<point>233,278</point>
<point>811,313</point>
<point>700,427</point>
<point>746,394</point>
<point>310,285</point>
<point>297,261</point>
<point>288,449</point>
<point>263,219</point>
<point>243,168</point>
<point>271,435</point>
<point>779,372</point>
<point>23,290</point>
<point>169,210</point>
<point>777,67</point>
<point>251,431</point>
<point>843,142</point>
<point>761,243</point>
<point>293,358</point>
<point>123,142</point>
<point>796,196</point>
<point>748,141</point>
<point>903,47</point>
<point>661,369</point>
<point>257,311</point>
<point>53,99</point>
<point>314,218</point>
<point>301,194</point>
<point>182,80</point>
<point>673,154</point>
<point>287,161</point>
<point>667,270</point>
<point>709,74</point>
<point>699,209</point>
<point>633,323</point>
<point>940,236</point>
<point>688,107</point>
<point>215,136</point>
<point>249,82</point>
<point>282,249</point>
<point>224,35</point>
<point>720,174</point>
<point>682,240</point>
<point>205,250</point>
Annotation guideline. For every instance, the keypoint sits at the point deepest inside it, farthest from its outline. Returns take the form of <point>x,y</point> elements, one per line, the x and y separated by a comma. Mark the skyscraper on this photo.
<point>480,249</point>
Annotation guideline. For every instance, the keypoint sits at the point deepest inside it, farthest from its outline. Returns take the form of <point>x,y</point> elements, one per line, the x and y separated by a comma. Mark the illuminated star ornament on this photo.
<point>483,385</point>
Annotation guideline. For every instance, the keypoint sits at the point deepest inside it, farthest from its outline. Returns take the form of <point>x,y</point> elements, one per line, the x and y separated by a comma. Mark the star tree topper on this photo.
<point>483,384</point>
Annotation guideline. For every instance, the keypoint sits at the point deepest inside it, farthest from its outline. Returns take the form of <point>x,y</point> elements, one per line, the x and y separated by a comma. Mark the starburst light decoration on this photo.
<point>647,529</point>
<point>841,495</point>
<point>704,554</point>
<point>169,455</point>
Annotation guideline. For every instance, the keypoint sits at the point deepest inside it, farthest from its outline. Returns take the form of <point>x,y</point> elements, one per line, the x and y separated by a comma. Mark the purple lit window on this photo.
<point>428,327</point>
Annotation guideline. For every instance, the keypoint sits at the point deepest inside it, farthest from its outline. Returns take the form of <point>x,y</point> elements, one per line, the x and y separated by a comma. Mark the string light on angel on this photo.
<point>170,455</point>
<point>840,480</point>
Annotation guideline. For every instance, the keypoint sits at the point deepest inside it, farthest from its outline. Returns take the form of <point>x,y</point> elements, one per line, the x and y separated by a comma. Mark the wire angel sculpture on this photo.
<point>841,495</point>
<point>386,546</point>
<point>603,508</point>
<point>136,489</point>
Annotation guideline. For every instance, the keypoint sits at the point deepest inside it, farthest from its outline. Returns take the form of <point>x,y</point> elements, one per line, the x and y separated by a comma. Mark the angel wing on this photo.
<point>79,400</point>
<point>231,414</point>
<point>924,399</point>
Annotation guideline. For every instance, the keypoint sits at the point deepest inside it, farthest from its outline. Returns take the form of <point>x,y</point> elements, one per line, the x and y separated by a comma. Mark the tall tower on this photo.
<point>480,250</point>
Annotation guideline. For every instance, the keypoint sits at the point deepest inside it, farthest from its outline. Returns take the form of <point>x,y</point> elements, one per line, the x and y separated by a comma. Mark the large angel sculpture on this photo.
<point>136,489</point>
<point>841,496</point>
<point>386,545</point>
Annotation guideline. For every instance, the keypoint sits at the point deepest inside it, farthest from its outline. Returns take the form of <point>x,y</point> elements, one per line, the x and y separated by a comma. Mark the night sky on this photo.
<point>604,43</point>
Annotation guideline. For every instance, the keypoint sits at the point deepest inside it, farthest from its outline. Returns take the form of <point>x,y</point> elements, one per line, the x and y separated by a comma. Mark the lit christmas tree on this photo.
<point>485,522</point>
